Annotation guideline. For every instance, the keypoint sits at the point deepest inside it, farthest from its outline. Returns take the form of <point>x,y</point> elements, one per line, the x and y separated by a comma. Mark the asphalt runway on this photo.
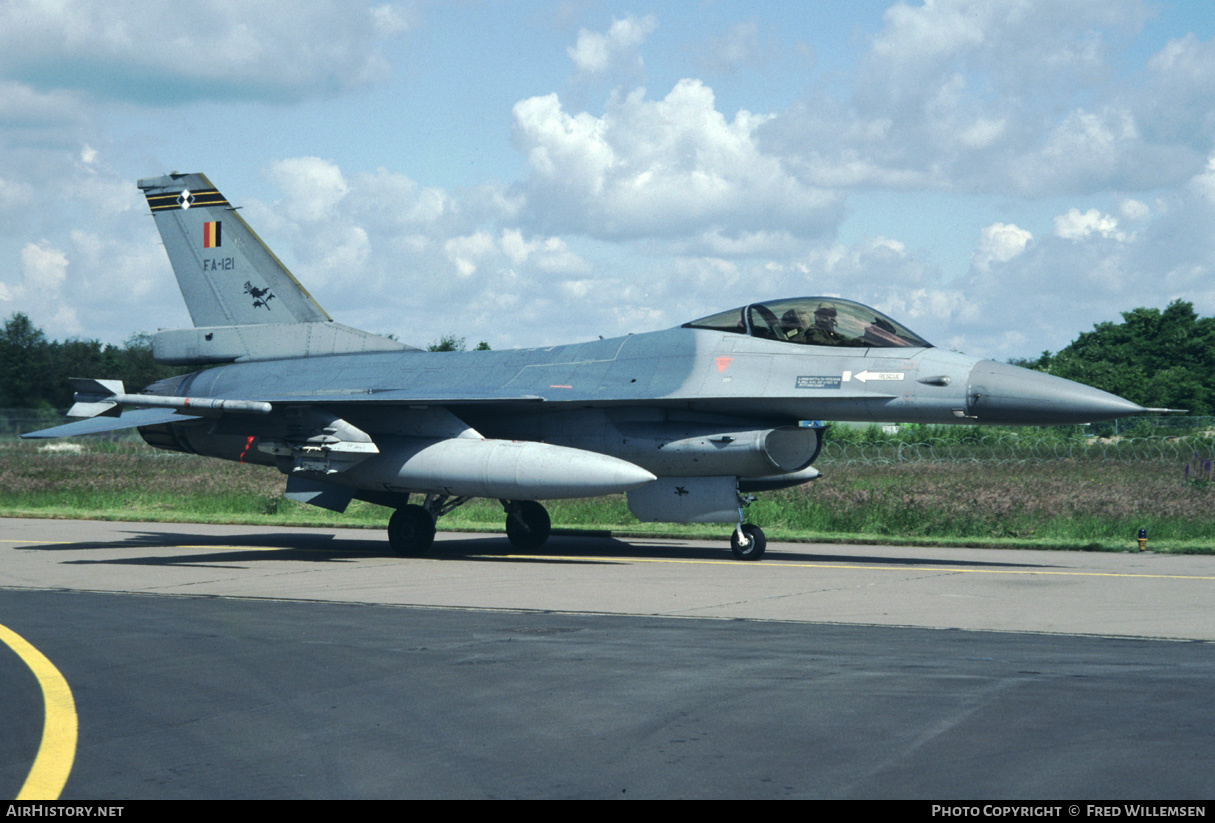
<point>242,662</point>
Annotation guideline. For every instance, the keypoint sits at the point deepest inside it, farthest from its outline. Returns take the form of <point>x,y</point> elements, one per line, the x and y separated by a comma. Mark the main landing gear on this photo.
<point>411,529</point>
<point>527,524</point>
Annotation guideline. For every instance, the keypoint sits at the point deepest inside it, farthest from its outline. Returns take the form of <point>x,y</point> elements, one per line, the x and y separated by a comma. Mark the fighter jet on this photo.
<point>689,422</point>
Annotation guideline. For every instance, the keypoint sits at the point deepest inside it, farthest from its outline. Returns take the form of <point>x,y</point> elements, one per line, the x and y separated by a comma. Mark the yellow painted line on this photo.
<point>57,751</point>
<point>233,548</point>
<point>909,568</point>
<point>31,543</point>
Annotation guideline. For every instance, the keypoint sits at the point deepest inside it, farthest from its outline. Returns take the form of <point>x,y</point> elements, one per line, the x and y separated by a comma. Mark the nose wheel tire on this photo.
<point>411,531</point>
<point>527,525</point>
<point>751,544</point>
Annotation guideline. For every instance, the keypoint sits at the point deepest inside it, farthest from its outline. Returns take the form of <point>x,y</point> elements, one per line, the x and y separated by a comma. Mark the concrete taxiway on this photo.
<point>1121,595</point>
<point>212,661</point>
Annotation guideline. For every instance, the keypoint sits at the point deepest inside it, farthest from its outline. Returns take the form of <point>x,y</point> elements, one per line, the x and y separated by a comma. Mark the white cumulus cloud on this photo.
<point>44,267</point>
<point>313,186</point>
<point>1000,242</point>
<point>599,52</point>
<point>1134,209</point>
<point>1077,225</point>
<point>660,168</point>
<point>164,53</point>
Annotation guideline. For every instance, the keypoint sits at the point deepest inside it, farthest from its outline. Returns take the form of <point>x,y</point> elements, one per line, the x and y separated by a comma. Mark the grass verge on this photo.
<point>1064,504</point>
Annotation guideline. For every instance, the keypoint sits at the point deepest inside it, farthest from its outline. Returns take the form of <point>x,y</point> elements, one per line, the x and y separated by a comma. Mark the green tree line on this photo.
<point>34,370</point>
<point>449,342</point>
<point>1157,358</point>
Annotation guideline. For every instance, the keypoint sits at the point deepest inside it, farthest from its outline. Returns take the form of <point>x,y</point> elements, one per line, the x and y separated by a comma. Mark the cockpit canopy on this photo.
<point>814,321</point>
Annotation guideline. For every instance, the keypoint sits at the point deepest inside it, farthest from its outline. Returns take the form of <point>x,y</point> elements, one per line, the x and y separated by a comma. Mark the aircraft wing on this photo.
<point>180,412</point>
<point>98,425</point>
<point>429,396</point>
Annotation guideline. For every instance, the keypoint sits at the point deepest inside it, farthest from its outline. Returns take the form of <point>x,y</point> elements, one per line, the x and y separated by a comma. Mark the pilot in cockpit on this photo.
<point>823,332</point>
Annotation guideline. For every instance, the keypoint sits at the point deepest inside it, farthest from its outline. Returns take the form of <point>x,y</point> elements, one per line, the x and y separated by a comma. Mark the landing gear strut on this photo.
<point>748,541</point>
<point>527,524</point>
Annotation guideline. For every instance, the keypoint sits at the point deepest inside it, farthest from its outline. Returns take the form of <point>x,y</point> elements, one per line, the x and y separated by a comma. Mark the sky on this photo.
<point>999,176</point>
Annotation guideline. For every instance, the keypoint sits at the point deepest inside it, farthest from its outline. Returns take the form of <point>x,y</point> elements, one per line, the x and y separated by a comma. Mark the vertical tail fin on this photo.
<point>244,303</point>
<point>227,275</point>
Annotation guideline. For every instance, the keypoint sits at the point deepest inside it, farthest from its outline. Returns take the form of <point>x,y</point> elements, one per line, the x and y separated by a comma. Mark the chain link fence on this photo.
<point>1173,439</point>
<point>1005,448</point>
<point>16,422</point>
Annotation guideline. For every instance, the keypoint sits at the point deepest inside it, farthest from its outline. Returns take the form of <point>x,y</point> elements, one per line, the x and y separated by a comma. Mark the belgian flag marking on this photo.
<point>211,235</point>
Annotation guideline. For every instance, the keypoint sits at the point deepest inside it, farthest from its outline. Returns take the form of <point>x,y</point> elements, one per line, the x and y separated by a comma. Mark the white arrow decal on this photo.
<point>865,376</point>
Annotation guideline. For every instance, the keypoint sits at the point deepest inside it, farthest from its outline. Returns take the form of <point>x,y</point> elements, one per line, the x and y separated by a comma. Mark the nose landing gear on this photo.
<point>748,541</point>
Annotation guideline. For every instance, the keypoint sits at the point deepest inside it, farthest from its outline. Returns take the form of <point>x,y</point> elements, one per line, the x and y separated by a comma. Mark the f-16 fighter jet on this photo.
<point>688,422</point>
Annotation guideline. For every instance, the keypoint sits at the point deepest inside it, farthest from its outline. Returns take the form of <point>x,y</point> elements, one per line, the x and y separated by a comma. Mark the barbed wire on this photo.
<point>1012,449</point>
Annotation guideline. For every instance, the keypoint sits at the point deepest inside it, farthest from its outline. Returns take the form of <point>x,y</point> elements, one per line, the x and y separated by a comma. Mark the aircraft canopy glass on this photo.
<point>814,321</point>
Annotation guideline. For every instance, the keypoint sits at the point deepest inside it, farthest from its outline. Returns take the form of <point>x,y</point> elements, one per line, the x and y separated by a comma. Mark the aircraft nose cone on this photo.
<point>1000,393</point>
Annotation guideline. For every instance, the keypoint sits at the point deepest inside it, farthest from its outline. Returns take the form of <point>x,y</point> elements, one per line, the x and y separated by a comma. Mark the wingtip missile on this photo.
<point>103,397</point>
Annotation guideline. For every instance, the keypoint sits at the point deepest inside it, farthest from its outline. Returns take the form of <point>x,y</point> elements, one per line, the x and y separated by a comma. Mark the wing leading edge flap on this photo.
<point>98,425</point>
<point>410,397</point>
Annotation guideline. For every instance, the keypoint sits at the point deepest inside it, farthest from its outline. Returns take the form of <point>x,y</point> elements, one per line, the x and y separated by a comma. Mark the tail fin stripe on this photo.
<point>185,199</point>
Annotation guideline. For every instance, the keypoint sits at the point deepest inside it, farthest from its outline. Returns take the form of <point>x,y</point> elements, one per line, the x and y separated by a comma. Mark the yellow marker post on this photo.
<point>56,753</point>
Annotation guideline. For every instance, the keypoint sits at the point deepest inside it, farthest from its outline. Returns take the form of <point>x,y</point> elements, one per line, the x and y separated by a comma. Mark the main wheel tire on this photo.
<point>753,545</point>
<point>411,531</point>
<point>532,533</point>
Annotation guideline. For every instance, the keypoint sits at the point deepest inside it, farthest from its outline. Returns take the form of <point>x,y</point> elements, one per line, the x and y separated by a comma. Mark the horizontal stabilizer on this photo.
<point>270,341</point>
<point>99,425</point>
